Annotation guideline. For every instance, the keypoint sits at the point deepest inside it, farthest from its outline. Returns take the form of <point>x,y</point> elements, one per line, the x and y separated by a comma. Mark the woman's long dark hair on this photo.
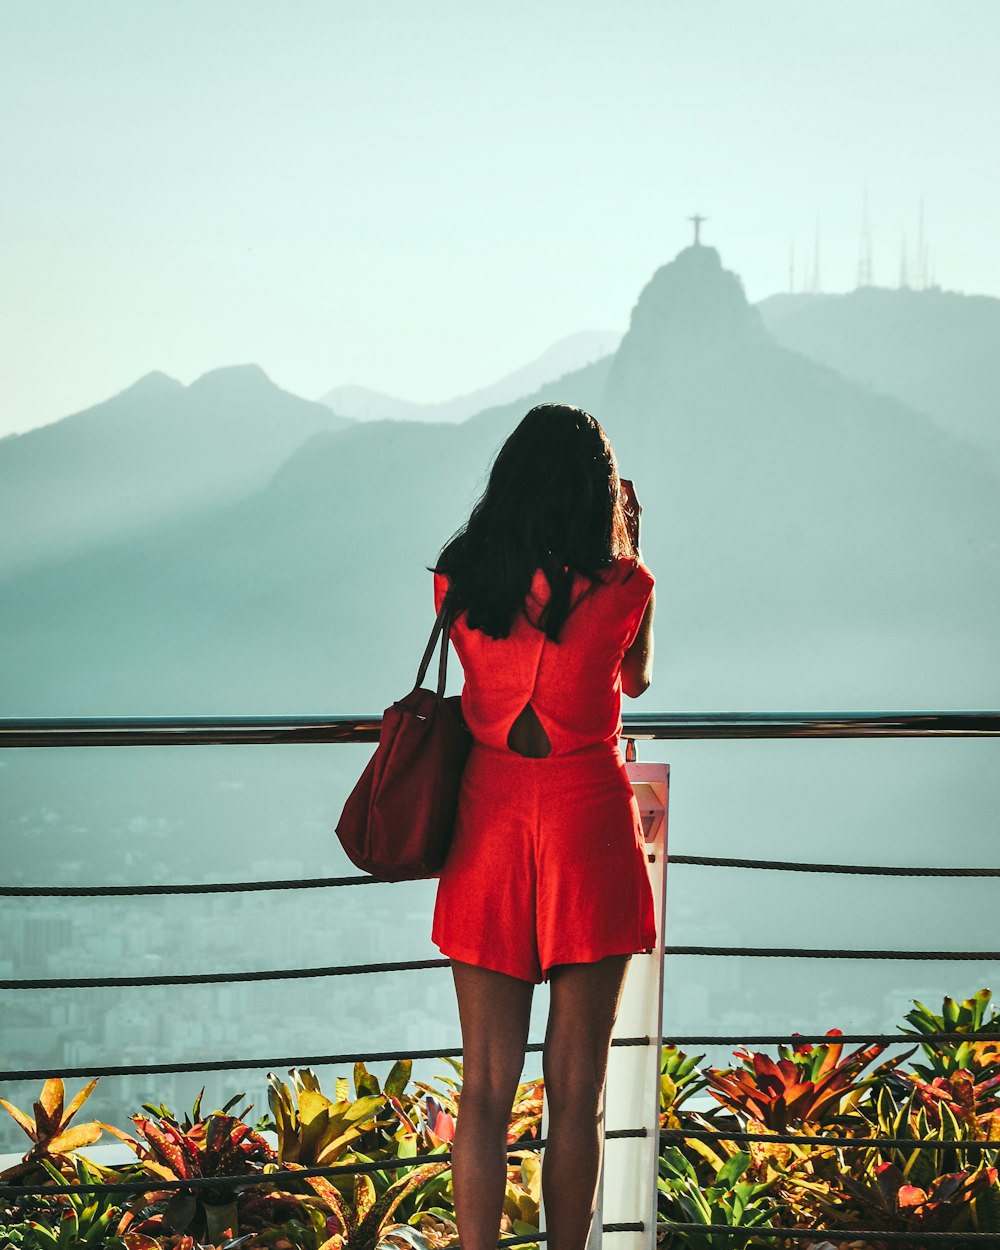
<point>552,502</point>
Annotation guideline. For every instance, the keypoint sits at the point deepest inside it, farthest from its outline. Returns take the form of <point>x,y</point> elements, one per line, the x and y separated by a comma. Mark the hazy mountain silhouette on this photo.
<point>157,449</point>
<point>938,351</point>
<point>793,510</point>
<point>311,593</point>
<point>566,356</point>
<point>815,544</point>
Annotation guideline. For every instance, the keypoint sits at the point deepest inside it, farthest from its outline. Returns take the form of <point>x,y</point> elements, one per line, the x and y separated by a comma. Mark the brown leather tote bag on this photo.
<point>398,820</point>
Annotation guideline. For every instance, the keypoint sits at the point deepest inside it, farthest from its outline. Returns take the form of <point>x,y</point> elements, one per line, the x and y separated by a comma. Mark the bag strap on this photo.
<point>442,629</point>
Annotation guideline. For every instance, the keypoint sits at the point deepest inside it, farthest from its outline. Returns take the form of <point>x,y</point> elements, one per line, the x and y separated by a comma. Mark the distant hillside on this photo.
<point>815,544</point>
<point>156,450</point>
<point>938,351</point>
<point>803,525</point>
<point>565,357</point>
<point>311,593</point>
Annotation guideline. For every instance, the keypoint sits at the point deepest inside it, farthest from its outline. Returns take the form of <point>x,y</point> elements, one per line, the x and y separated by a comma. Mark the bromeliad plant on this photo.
<point>316,1131</point>
<point>50,1132</point>
<point>963,1201</point>
<point>980,1055</point>
<point>810,1083</point>
<point>976,1106</point>
<point>379,1125</point>
<point>963,1076</point>
<point>909,1120</point>
<point>199,1147</point>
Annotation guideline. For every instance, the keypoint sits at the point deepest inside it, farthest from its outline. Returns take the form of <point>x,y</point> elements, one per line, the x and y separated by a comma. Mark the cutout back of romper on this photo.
<point>527,735</point>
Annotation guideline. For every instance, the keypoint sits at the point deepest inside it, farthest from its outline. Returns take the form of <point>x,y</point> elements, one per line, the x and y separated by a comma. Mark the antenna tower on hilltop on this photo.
<point>865,249</point>
<point>923,255</point>
<point>814,285</point>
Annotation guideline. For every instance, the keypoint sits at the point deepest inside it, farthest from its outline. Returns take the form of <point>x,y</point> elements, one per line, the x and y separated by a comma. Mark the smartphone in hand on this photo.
<point>633,509</point>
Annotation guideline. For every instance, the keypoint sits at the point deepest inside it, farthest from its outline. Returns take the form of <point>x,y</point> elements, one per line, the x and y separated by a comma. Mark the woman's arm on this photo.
<point>637,662</point>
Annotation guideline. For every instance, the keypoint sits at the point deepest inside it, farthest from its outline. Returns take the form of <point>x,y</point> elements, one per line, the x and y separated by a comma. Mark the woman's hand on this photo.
<point>633,510</point>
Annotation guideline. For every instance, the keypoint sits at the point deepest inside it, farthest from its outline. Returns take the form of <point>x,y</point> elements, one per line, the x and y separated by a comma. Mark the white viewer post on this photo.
<point>627,1193</point>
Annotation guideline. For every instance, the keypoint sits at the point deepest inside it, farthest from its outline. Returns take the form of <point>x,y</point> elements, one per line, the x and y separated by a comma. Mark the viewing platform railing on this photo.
<point>635,1065</point>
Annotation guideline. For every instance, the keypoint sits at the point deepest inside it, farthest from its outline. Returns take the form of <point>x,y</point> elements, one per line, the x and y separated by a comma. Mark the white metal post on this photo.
<point>628,1189</point>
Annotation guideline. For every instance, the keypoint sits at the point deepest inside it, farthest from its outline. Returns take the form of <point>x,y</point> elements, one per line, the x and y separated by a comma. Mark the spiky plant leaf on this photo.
<point>398,1078</point>
<point>23,1120</point>
<point>74,1138</point>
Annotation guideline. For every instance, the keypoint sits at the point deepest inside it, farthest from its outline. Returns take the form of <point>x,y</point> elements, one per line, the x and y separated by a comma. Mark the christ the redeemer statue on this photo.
<point>697,219</point>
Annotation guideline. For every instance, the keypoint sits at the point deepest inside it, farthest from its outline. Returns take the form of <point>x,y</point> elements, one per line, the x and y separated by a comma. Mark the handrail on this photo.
<point>50,731</point>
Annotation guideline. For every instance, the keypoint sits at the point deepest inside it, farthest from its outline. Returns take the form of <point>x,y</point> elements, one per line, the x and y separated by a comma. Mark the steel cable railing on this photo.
<point>221,978</point>
<point>857,1143</point>
<point>183,731</point>
<point>208,887</point>
<point>917,1239</point>
<point>253,1179</point>
<point>420,965</point>
<point>867,870</point>
<point>390,1056</point>
<point>287,1061</point>
<point>322,883</point>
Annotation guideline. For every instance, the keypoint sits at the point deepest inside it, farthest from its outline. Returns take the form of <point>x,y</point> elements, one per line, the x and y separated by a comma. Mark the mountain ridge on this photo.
<point>151,450</point>
<point>567,355</point>
<point>937,351</point>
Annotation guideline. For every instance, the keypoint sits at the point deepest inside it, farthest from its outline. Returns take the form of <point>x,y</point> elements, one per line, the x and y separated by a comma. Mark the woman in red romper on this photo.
<point>547,876</point>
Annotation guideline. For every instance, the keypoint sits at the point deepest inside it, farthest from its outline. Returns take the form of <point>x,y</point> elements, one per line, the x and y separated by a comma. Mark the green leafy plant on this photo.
<point>680,1077</point>
<point>907,1119</point>
<point>740,1204</point>
<point>314,1130</point>
<point>965,1075</point>
<point>379,1125</point>
<point>72,1221</point>
<point>363,1220</point>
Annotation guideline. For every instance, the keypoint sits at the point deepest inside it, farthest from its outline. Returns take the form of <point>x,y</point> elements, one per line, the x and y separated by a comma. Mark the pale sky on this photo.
<point>420,197</point>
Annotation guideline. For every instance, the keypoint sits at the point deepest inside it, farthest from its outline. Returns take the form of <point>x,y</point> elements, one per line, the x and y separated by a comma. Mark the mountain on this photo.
<point>815,544</point>
<point>310,594</point>
<point>562,358</point>
<point>801,522</point>
<point>156,450</point>
<point>938,351</point>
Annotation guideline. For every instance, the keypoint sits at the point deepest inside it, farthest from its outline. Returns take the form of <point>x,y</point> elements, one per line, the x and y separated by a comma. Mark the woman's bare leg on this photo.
<point>582,1012</point>
<point>494,1010</point>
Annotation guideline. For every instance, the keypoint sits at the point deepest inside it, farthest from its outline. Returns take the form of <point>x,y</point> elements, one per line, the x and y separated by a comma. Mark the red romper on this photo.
<point>548,864</point>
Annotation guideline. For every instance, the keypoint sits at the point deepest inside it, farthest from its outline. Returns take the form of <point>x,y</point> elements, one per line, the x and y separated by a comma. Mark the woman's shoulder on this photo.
<point>630,571</point>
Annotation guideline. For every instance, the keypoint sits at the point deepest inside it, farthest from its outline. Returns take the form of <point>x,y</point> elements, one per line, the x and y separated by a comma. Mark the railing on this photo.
<point>53,732</point>
<point>204,730</point>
